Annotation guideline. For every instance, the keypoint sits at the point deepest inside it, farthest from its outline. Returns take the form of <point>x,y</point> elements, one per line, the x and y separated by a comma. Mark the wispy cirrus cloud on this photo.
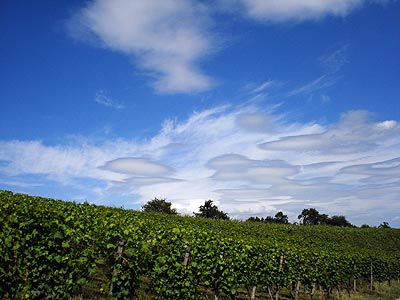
<point>335,60</point>
<point>325,99</point>
<point>347,167</point>
<point>102,99</point>
<point>318,84</point>
<point>331,62</point>
<point>264,86</point>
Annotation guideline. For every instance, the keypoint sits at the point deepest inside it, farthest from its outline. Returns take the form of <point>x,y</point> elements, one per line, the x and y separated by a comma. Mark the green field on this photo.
<point>51,249</point>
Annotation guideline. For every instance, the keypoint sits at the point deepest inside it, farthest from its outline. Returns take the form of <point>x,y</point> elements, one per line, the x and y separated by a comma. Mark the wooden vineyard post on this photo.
<point>279,276</point>
<point>120,250</point>
<point>253,293</point>
<point>270,293</point>
<point>315,283</point>
<point>186,260</point>
<point>221,255</point>
<point>372,279</point>
<point>296,295</point>
<point>355,279</point>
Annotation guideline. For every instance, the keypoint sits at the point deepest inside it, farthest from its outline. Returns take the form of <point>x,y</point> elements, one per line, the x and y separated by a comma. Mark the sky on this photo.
<point>260,105</point>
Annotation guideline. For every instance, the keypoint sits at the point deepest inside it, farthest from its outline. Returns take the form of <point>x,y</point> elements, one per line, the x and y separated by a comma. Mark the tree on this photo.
<point>323,219</point>
<point>160,206</point>
<point>208,210</point>
<point>384,225</point>
<point>338,221</point>
<point>281,218</point>
<point>310,216</point>
<point>269,219</point>
<point>255,219</point>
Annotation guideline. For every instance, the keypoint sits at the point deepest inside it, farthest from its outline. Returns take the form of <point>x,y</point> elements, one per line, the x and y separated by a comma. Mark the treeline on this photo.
<point>309,216</point>
<point>208,210</point>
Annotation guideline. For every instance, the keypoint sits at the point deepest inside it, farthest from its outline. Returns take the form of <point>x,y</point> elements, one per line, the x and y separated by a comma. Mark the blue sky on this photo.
<point>260,105</point>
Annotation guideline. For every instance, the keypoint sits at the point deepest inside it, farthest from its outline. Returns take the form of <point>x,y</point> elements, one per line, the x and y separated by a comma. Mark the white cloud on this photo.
<point>388,124</point>
<point>233,167</point>
<point>167,38</point>
<point>332,63</point>
<point>320,83</point>
<point>136,166</point>
<point>348,167</point>
<point>295,10</point>
<point>102,99</point>
<point>325,99</point>
<point>20,184</point>
<point>141,181</point>
<point>264,86</point>
<point>353,134</point>
<point>260,122</point>
<point>335,60</point>
<point>389,168</point>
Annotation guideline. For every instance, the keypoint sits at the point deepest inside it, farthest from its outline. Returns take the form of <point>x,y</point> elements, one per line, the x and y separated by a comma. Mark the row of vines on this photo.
<point>51,249</point>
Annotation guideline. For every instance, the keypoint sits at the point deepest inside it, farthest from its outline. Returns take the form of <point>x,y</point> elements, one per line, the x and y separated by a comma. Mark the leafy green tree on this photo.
<point>209,210</point>
<point>160,206</point>
<point>310,216</point>
<point>281,218</point>
<point>255,219</point>
<point>384,225</point>
<point>323,219</point>
<point>269,219</point>
<point>338,221</point>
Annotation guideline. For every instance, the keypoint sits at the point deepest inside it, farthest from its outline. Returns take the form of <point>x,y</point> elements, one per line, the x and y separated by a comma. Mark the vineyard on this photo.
<point>51,249</point>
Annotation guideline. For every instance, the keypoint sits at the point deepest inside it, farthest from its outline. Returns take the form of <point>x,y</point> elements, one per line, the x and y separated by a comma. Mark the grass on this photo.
<point>382,291</point>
